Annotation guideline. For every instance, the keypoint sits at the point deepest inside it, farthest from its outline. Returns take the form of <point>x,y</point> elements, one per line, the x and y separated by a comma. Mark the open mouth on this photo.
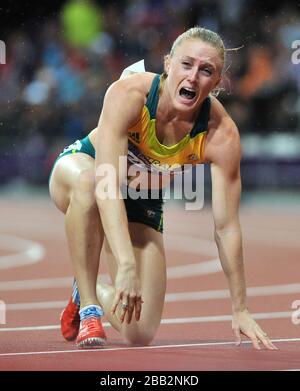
<point>187,93</point>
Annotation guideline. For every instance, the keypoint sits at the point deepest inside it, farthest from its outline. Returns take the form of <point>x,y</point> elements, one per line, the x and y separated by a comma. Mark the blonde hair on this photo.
<point>207,36</point>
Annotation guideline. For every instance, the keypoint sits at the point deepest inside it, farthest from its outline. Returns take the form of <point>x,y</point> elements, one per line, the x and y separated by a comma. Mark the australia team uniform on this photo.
<point>145,150</point>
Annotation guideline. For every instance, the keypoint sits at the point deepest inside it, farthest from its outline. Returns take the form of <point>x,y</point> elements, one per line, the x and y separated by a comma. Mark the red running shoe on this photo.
<point>91,333</point>
<point>70,321</point>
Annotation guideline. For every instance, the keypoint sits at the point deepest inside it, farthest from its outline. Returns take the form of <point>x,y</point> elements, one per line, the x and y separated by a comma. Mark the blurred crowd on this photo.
<point>58,70</point>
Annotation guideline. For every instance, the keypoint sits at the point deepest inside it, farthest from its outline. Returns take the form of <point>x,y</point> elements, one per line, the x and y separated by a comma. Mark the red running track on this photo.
<point>195,333</point>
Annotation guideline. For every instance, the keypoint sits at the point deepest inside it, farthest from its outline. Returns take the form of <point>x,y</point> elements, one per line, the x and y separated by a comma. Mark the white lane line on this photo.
<point>104,350</point>
<point>174,272</point>
<point>197,319</point>
<point>268,290</point>
<point>170,297</point>
<point>34,328</point>
<point>31,252</point>
<point>42,283</point>
<point>195,246</point>
<point>194,269</point>
<point>39,305</point>
<point>25,252</point>
<point>224,318</point>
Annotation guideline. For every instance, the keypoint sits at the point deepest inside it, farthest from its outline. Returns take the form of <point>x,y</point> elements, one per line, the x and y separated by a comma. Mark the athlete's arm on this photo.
<point>226,190</point>
<point>122,105</point>
<point>225,153</point>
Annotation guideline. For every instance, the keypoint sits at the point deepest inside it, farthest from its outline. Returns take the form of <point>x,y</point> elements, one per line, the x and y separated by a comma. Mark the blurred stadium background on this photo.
<point>62,55</point>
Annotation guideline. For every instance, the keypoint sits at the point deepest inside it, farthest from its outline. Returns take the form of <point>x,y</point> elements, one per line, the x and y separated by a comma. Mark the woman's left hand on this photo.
<point>243,323</point>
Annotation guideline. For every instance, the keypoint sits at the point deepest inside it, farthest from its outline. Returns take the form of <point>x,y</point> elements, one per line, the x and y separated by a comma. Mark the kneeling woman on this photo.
<point>160,120</point>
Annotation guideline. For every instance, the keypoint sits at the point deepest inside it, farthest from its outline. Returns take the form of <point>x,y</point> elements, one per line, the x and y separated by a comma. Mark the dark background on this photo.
<point>51,89</point>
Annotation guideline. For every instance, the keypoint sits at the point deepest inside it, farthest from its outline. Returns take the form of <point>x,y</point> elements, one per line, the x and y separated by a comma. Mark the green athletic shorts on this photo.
<point>145,211</point>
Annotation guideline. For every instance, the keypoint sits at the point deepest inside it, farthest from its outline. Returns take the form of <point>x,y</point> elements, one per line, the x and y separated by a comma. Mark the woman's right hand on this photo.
<point>128,293</point>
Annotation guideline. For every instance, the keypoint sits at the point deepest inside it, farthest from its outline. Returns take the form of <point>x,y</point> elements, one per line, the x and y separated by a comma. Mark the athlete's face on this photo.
<point>193,71</point>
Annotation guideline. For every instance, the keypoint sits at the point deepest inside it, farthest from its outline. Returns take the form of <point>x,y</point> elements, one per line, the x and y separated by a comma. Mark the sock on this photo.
<point>91,310</point>
<point>75,294</point>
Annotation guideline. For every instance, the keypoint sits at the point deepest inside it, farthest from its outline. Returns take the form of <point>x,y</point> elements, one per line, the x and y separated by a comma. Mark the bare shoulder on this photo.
<point>137,84</point>
<point>223,139</point>
<point>126,97</point>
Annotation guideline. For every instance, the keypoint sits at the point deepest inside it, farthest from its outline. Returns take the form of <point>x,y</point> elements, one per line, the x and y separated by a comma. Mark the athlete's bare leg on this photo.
<point>72,188</point>
<point>149,253</point>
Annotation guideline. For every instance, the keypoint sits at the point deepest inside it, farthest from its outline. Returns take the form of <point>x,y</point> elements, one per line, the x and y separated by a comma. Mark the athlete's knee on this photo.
<point>83,189</point>
<point>140,337</point>
<point>59,193</point>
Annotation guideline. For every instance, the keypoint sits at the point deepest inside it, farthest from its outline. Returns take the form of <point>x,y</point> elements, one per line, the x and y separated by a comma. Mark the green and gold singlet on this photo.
<point>145,149</point>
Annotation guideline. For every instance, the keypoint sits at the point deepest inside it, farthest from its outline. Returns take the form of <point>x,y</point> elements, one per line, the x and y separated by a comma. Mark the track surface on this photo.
<point>195,333</point>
